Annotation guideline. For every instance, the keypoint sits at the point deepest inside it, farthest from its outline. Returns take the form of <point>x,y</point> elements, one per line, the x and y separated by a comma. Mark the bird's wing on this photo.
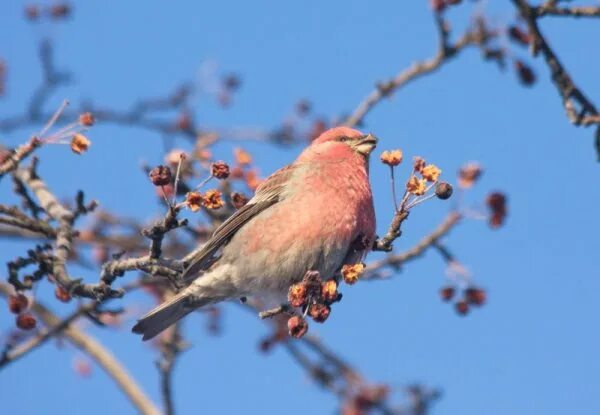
<point>267,194</point>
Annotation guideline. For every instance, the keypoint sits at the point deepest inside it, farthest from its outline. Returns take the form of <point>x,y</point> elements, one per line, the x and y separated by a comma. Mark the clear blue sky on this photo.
<point>532,349</point>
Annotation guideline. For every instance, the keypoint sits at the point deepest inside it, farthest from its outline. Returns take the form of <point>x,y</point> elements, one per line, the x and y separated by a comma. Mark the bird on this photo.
<point>315,214</point>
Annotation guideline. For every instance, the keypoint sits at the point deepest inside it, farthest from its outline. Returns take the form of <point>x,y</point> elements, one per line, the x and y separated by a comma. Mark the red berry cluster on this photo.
<point>471,296</point>
<point>315,297</point>
<point>18,304</point>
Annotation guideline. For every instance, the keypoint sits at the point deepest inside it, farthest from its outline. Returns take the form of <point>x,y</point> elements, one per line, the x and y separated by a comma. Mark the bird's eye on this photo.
<point>344,139</point>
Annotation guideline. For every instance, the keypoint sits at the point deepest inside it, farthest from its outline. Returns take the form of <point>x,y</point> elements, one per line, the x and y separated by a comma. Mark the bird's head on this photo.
<point>344,138</point>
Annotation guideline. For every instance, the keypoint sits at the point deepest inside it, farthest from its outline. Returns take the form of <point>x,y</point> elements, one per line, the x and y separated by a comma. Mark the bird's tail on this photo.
<point>168,313</point>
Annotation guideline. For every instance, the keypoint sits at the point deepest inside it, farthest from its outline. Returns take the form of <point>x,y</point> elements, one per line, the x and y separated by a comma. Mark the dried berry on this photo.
<point>319,312</point>
<point>194,200</point>
<point>298,295</point>
<point>431,173</point>
<point>447,293</point>
<point>80,143</point>
<point>297,327</point>
<point>391,158</point>
<point>525,73</point>
<point>475,296</point>
<point>329,292</point>
<point>212,199</point>
<point>160,176</point>
<point>443,190</point>
<point>418,164</point>
<point>518,35</point>
<point>26,321</point>
<point>496,202</point>
<point>87,119</point>
<point>219,170</point>
<point>416,186</point>
<point>462,307</point>
<point>60,11</point>
<point>351,273</point>
<point>62,295</point>
<point>17,303</point>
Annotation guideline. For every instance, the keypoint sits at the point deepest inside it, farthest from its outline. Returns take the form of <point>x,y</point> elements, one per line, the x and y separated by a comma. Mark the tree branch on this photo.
<point>98,353</point>
<point>579,109</point>
<point>444,54</point>
<point>395,260</point>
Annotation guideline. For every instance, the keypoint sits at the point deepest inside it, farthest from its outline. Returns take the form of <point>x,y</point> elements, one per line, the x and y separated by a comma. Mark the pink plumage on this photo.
<point>306,216</point>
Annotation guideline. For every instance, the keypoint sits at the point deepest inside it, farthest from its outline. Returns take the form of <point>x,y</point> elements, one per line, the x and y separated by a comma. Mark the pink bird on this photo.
<point>306,216</point>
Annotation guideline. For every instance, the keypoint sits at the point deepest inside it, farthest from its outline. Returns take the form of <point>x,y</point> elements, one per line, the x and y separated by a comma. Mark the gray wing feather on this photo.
<point>267,194</point>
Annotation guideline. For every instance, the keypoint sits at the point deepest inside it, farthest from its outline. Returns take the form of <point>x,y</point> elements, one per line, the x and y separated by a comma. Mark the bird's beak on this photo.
<point>365,144</point>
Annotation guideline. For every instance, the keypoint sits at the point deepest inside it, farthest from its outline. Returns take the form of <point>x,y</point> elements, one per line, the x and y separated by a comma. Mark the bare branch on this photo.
<point>44,335</point>
<point>444,54</point>
<point>98,353</point>
<point>551,9</point>
<point>579,109</point>
<point>16,156</point>
<point>394,232</point>
<point>395,260</point>
<point>64,238</point>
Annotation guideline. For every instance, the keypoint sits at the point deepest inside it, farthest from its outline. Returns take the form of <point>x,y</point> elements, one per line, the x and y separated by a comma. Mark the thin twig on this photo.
<point>98,353</point>
<point>395,260</point>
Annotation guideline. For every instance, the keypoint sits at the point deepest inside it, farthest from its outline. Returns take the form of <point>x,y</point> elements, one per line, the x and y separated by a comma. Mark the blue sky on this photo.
<point>532,349</point>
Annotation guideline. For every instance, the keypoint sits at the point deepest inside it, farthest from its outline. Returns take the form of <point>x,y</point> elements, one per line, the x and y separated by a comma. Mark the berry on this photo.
<point>475,296</point>
<point>319,312</point>
<point>297,295</point>
<point>443,190</point>
<point>17,303</point>
<point>462,307</point>
<point>62,295</point>
<point>297,327</point>
<point>446,293</point>
<point>160,176</point>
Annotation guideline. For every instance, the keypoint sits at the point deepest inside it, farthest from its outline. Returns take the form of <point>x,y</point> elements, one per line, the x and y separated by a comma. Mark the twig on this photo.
<point>157,232</point>
<point>44,335</point>
<point>282,309</point>
<point>394,232</point>
<point>551,9</point>
<point>99,354</point>
<point>22,152</point>
<point>396,260</point>
<point>579,109</point>
<point>64,238</point>
<point>444,54</point>
<point>171,347</point>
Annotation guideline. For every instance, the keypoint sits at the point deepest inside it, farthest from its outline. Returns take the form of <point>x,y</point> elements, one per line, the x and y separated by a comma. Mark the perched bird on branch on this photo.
<point>314,214</point>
